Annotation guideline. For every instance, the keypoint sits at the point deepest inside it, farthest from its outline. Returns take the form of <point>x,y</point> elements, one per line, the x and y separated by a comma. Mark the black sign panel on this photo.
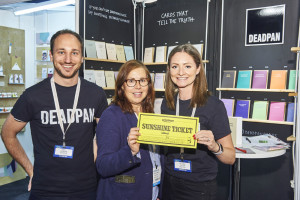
<point>109,21</point>
<point>173,22</point>
<point>265,26</point>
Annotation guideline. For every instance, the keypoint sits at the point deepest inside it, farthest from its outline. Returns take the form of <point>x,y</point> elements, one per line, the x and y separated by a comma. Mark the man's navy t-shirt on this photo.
<point>54,176</point>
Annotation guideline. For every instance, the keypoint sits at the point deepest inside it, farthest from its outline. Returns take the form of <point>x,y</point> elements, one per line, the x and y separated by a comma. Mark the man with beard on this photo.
<point>61,111</point>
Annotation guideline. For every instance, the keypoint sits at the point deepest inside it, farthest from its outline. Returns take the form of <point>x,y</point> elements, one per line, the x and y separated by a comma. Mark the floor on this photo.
<point>15,191</point>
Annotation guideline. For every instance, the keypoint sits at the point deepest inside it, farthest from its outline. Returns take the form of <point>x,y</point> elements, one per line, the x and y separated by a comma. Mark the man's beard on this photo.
<point>63,76</point>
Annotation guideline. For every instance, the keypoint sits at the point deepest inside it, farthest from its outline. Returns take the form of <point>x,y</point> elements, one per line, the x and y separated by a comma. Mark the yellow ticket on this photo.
<point>167,130</point>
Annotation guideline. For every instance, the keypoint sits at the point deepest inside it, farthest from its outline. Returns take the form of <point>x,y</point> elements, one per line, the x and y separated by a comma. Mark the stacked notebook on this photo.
<point>261,110</point>
<point>103,50</point>
<point>258,79</point>
<point>107,79</point>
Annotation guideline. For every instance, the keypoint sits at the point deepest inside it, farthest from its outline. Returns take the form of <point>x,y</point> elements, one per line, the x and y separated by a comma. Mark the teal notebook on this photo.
<point>90,49</point>
<point>128,53</point>
<point>292,79</point>
<point>244,79</point>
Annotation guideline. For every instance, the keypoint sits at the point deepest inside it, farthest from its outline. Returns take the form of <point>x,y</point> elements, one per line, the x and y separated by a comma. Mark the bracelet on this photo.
<point>220,151</point>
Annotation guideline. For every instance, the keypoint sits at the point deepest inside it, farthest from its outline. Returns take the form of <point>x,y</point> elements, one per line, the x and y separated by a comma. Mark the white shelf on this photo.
<point>254,90</point>
<point>165,63</point>
<point>156,63</point>
<point>15,83</point>
<point>104,60</point>
<point>291,138</point>
<point>111,88</point>
<point>108,88</point>
<point>8,97</point>
<point>268,121</point>
<point>43,60</point>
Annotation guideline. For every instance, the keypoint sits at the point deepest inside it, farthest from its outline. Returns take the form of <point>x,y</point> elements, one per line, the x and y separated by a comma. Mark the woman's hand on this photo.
<point>207,138</point>
<point>132,140</point>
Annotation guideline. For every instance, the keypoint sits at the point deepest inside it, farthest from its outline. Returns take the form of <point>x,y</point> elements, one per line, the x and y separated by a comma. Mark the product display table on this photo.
<point>237,165</point>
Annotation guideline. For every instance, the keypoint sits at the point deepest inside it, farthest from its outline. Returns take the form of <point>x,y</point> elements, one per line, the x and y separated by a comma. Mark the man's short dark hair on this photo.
<point>65,31</point>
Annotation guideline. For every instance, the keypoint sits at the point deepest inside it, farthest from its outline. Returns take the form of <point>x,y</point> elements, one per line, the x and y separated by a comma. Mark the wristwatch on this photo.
<point>220,151</point>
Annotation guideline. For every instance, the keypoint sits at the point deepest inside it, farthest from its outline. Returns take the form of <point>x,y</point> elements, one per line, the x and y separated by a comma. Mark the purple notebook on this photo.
<point>229,105</point>
<point>290,112</point>
<point>260,79</point>
<point>242,108</point>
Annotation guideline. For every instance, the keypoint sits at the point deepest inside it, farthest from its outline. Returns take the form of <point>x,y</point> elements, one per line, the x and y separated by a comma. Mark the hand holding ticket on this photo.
<point>167,130</point>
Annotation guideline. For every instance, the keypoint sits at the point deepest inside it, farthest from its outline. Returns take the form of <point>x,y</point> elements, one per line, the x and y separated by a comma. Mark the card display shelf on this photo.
<point>9,97</point>
<point>255,90</point>
<point>108,88</point>
<point>104,60</point>
<point>117,61</point>
<point>291,93</point>
<point>268,121</point>
<point>15,83</point>
<point>156,63</point>
<point>295,49</point>
<point>43,61</point>
<point>291,138</point>
<point>165,63</point>
<point>112,88</point>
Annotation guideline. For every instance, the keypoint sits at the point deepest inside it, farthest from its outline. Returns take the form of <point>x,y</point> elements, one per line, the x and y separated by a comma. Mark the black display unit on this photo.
<point>109,21</point>
<point>173,22</point>
<point>261,178</point>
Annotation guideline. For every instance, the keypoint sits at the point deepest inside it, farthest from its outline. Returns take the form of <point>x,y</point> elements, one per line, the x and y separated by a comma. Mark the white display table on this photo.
<point>237,165</point>
<point>260,154</point>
